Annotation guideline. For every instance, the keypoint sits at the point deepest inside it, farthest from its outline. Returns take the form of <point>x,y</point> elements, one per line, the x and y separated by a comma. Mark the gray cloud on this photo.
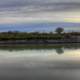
<point>25,7</point>
<point>50,5</point>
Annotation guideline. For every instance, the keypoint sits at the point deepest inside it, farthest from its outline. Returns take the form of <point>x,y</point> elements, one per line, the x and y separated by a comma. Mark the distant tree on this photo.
<point>59,30</point>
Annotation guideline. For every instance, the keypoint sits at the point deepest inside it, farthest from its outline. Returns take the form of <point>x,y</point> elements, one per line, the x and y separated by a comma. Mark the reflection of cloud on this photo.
<point>67,55</point>
<point>42,54</point>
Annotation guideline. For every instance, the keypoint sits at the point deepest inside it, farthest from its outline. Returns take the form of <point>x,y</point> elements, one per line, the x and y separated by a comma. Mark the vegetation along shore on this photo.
<point>59,36</point>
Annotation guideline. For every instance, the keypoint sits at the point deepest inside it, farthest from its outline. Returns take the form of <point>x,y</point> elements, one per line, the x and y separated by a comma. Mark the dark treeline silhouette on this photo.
<point>57,35</point>
<point>35,35</point>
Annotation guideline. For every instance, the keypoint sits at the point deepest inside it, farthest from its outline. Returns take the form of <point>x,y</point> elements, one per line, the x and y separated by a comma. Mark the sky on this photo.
<point>39,11</point>
<point>15,11</point>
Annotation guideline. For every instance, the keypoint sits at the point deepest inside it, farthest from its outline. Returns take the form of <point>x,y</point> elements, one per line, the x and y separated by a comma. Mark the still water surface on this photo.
<point>57,63</point>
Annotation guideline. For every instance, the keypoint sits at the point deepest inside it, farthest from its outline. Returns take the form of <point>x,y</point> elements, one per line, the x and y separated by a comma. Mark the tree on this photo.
<point>59,30</point>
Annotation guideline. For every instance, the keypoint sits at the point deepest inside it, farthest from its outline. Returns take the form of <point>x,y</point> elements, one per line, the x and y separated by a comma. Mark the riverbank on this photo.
<point>38,38</point>
<point>12,47</point>
<point>5,36</point>
<point>66,41</point>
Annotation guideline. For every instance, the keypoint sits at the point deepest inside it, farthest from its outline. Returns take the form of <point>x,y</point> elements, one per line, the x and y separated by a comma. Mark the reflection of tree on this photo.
<point>60,50</point>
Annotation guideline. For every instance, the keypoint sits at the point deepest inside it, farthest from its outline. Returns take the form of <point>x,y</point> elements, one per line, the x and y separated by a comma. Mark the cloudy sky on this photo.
<point>24,11</point>
<point>39,15</point>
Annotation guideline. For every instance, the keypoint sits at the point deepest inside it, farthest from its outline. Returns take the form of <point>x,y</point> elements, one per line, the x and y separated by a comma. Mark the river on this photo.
<point>57,63</point>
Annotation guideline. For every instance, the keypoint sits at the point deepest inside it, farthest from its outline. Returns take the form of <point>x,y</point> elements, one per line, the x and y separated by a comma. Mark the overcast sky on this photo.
<point>13,11</point>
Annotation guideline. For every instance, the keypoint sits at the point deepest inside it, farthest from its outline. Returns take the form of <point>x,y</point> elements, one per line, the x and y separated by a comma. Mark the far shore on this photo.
<point>57,37</point>
<point>66,41</point>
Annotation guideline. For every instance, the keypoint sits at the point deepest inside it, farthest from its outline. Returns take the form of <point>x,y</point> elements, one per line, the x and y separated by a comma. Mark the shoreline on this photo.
<point>57,47</point>
<point>39,42</point>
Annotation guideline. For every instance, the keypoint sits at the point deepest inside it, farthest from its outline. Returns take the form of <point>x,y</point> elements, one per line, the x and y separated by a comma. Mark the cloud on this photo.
<point>33,10</point>
<point>60,6</point>
<point>46,5</point>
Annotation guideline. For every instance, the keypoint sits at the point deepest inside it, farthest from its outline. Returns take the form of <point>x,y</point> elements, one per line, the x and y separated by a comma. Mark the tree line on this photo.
<point>58,34</point>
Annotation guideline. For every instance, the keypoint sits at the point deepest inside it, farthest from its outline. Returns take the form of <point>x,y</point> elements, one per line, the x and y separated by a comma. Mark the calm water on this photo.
<point>55,63</point>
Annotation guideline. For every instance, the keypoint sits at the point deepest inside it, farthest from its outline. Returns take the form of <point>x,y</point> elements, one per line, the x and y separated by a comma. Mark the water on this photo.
<point>60,62</point>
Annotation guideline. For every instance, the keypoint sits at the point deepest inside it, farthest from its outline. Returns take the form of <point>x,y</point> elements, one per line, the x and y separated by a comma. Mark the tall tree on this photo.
<point>59,30</point>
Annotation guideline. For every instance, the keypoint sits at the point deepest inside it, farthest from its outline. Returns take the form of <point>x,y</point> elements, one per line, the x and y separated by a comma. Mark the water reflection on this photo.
<point>59,50</point>
<point>41,52</point>
<point>42,62</point>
